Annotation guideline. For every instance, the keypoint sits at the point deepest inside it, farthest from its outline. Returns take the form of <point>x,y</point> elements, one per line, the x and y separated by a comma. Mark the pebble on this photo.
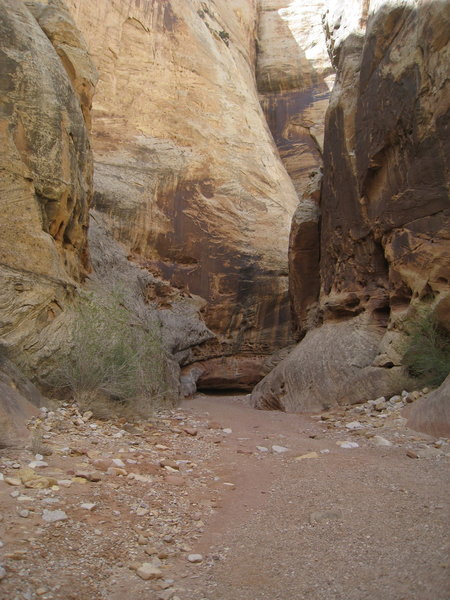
<point>2,573</point>
<point>306,456</point>
<point>24,513</point>
<point>411,454</point>
<point>37,463</point>
<point>12,481</point>
<point>262,448</point>
<point>195,558</point>
<point>279,449</point>
<point>227,430</point>
<point>51,516</point>
<point>347,444</point>
<point>148,571</point>
<point>88,505</point>
<point>354,425</point>
<point>381,441</point>
<point>190,431</point>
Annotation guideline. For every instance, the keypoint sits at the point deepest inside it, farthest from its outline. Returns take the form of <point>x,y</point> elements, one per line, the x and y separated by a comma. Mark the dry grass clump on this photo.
<point>426,352</point>
<point>117,362</point>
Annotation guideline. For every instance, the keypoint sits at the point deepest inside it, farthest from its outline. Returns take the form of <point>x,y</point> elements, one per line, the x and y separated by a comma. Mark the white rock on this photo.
<point>354,425</point>
<point>38,457</point>
<point>88,505</point>
<point>118,463</point>
<point>24,513</point>
<point>227,430</point>
<point>262,448</point>
<point>347,444</point>
<point>195,558</point>
<point>2,573</point>
<point>51,516</point>
<point>279,449</point>
<point>381,441</point>
<point>324,451</point>
<point>37,463</point>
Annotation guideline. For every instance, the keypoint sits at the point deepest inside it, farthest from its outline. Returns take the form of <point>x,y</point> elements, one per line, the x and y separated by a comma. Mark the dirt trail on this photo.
<point>220,479</point>
<point>351,524</point>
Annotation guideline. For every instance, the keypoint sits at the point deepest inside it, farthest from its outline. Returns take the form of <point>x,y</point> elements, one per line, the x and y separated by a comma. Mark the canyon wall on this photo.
<point>186,172</point>
<point>382,247</point>
<point>45,178</point>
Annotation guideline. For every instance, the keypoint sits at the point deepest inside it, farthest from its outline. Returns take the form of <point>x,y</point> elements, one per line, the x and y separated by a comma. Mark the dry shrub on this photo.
<point>426,353</point>
<point>116,362</point>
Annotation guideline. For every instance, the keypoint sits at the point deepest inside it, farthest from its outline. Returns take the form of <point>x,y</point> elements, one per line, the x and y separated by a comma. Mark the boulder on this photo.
<point>332,365</point>
<point>431,413</point>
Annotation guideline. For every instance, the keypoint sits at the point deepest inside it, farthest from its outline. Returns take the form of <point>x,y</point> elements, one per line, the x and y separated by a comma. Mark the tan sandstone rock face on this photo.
<point>186,170</point>
<point>384,203</point>
<point>294,78</point>
<point>45,180</point>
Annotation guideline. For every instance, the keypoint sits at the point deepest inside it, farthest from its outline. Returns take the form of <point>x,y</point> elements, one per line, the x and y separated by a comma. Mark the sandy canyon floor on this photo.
<point>217,501</point>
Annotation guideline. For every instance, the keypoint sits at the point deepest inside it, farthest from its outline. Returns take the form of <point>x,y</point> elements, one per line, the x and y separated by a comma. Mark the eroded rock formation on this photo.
<point>384,204</point>
<point>45,179</point>
<point>294,78</point>
<point>186,170</point>
<point>19,400</point>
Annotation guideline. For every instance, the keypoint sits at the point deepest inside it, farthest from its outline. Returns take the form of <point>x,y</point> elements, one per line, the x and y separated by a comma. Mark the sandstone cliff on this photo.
<point>382,246</point>
<point>45,178</point>
<point>186,172</point>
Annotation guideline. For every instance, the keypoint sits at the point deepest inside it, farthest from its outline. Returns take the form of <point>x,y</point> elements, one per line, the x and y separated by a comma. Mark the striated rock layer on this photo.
<point>294,78</point>
<point>45,176</point>
<point>187,174</point>
<point>384,203</point>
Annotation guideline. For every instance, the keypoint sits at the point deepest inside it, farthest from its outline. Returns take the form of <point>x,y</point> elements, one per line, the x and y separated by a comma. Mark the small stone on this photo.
<point>262,448</point>
<point>381,441</point>
<point>51,516</point>
<point>354,425</point>
<point>142,540</point>
<point>227,430</point>
<point>148,571</point>
<point>41,591</point>
<point>190,431</point>
<point>24,513</point>
<point>411,454</point>
<point>347,444</point>
<point>89,475</point>
<point>279,449</point>
<point>15,494</point>
<point>195,558</point>
<point>88,505</point>
<point>141,512</point>
<point>150,550</point>
<point>306,456</point>
<point>37,464</point>
<point>12,481</point>
<point>118,463</point>
<point>2,573</point>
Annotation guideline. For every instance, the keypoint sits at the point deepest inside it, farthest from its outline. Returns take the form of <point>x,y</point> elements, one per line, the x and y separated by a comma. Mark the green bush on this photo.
<point>116,358</point>
<point>427,348</point>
